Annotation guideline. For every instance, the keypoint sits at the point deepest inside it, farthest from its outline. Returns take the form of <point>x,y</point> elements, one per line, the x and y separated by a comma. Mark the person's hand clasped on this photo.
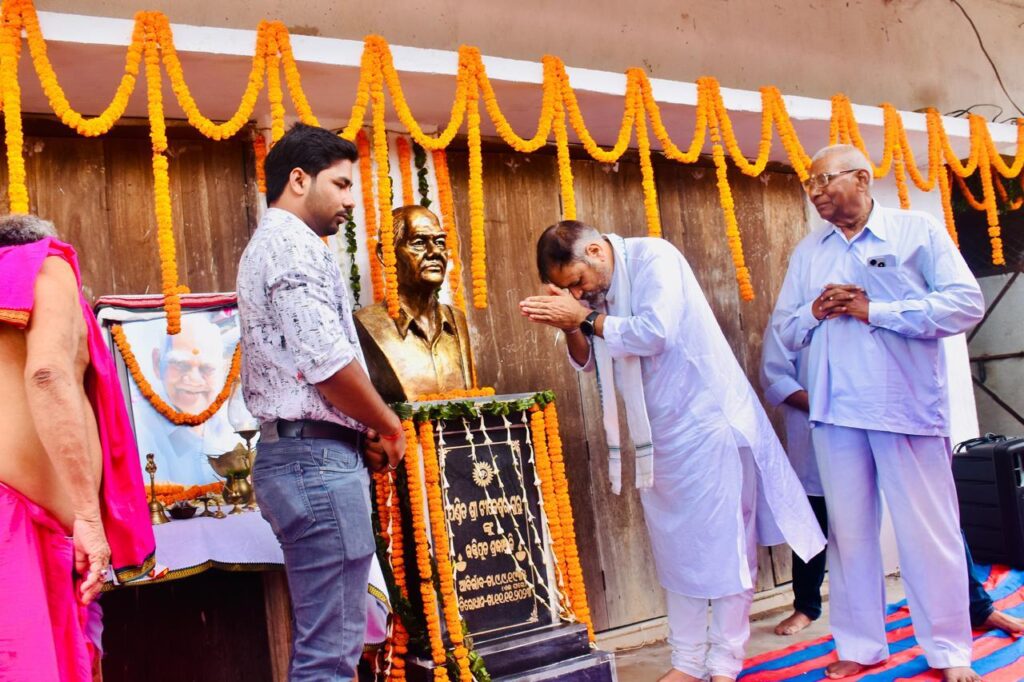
<point>841,299</point>
<point>92,556</point>
<point>559,309</point>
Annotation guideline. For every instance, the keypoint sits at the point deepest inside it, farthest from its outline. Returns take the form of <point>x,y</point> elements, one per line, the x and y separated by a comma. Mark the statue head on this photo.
<point>421,248</point>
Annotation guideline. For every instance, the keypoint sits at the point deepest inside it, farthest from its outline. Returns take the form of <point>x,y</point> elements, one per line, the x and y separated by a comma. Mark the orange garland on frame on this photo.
<point>171,414</point>
<point>152,42</point>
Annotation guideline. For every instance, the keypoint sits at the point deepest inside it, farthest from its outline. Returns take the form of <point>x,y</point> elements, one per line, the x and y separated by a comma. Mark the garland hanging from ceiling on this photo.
<point>152,45</point>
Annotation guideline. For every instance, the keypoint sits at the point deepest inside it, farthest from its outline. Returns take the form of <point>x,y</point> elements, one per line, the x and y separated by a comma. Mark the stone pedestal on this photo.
<point>501,552</point>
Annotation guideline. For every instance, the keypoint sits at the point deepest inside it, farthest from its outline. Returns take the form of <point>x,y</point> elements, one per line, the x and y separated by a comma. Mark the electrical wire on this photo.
<point>981,43</point>
<point>959,113</point>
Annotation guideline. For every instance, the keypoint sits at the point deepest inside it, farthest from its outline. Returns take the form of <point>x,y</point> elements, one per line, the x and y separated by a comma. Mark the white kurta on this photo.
<point>702,409</point>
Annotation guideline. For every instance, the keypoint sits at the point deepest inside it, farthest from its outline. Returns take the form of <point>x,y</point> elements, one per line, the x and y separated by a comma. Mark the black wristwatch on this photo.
<point>587,325</point>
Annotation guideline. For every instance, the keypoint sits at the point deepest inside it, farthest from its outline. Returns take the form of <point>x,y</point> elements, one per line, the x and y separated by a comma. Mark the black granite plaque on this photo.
<point>502,574</point>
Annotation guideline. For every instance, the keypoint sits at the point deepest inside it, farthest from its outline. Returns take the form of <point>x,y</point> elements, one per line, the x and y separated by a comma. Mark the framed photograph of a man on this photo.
<point>186,371</point>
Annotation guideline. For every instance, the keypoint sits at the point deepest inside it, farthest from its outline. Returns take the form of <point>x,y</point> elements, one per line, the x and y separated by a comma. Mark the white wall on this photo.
<point>1001,334</point>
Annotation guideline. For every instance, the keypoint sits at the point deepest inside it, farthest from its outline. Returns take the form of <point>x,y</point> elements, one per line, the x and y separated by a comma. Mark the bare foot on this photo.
<point>841,669</point>
<point>674,675</point>
<point>960,675</point>
<point>796,622</point>
<point>1005,622</point>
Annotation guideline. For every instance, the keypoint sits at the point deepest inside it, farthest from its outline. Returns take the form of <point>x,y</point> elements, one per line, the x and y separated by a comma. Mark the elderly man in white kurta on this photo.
<point>713,477</point>
<point>869,295</point>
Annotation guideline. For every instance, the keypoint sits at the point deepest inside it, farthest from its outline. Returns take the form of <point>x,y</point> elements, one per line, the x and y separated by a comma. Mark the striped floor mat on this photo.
<point>997,657</point>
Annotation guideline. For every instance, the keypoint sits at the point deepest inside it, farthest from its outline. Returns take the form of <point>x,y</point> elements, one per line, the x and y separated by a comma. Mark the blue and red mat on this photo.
<point>997,656</point>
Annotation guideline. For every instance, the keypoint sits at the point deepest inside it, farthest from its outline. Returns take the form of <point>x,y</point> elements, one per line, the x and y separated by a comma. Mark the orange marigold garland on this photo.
<point>214,131</point>
<point>945,195</point>
<point>88,127</point>
<point>158,403</point>
<point>405,169</point>
<point>178,493</point>
<point>568,192</point>
<point>400,636</point>
<point>444,195</point>
<point>538,437</point>
<point>732,230</point>
<point>390,520</point>
<point>291,74</point>
<point>991,210</point>
<point>646,102</point>
<point>466,73</point>
<point>568,101</point>
<point>370,215</point>
<point>439,530</point>
<point>152,40</point>
<point>459,394</point>
<point>274,93</point>
<point>369,68</point>
<point>387,235</point>
<point>713,93</point>
<point>419,526</point>
<point>570,563</point>
<point>10,93</point>
<point>162,186</point>
<point>647,175</point>
<point>259,150</point>
<point>477,243</point>
<point>550,89</point>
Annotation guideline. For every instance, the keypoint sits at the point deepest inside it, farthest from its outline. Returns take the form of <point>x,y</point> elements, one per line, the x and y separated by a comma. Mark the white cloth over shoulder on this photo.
<point>702,411</point>
<point>623,374</point>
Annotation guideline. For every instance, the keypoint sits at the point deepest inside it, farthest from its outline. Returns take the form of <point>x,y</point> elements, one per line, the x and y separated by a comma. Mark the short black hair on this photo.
<point>307,147</point>
<point>556,247</point>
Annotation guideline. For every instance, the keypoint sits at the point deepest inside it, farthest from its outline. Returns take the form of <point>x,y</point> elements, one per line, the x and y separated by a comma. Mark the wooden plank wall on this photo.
<point>99,193</point>
<point>521,196</point>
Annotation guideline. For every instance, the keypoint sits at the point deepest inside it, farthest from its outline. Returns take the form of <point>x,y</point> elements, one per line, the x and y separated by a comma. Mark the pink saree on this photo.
<point>46,616</point>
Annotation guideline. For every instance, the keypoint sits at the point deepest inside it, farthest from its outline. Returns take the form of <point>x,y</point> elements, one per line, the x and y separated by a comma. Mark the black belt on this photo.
<point>311,428</point>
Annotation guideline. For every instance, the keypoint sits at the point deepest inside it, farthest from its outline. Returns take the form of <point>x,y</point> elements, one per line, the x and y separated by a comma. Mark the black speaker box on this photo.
<point>989,475</point>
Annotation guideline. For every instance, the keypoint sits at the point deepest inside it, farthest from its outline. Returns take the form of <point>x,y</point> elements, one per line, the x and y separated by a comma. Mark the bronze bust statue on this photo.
<point>426,350</point>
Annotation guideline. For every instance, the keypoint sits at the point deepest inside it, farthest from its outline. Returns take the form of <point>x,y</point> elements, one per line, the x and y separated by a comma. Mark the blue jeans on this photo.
<point>315,494</point>
<point>981,603</point>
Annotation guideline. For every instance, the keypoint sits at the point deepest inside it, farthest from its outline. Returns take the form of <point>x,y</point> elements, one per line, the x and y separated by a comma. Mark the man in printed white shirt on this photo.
<point>304,379</point>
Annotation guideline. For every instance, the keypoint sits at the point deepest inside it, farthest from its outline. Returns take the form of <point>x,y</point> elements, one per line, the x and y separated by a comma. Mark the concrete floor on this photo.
<point>648,663</point>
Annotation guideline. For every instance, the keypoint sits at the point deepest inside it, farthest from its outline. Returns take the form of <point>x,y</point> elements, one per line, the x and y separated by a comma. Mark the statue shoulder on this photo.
<point>457,316</point>
<point>369,313</point>
<point>373,324</point>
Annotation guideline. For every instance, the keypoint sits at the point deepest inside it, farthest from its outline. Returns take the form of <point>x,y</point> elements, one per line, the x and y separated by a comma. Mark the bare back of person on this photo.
<point>57,339</point>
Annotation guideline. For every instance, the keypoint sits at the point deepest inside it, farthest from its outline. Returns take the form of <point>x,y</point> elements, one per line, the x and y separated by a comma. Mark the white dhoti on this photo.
<point>719,650</point>
<point>914,475</point>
